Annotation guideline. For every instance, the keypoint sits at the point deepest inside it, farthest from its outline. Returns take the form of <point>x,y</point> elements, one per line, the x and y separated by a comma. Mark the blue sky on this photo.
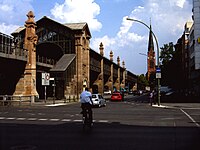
<point>107,22</point>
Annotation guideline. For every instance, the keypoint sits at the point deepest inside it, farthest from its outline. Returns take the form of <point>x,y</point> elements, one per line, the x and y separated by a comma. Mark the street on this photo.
<point>132,124</point>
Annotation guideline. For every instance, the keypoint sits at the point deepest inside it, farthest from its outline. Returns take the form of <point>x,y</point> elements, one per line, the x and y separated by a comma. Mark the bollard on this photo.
<point>65,99</point>
<point>20,100</point>
<point>4,99</point>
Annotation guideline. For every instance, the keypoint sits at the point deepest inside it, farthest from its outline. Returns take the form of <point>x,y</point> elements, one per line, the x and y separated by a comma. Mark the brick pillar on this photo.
<point>27,84</point>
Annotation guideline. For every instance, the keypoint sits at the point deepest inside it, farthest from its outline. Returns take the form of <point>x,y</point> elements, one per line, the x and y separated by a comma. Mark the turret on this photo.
<point>101,49</point>
<point>111,56</point>
<point>118,61</point>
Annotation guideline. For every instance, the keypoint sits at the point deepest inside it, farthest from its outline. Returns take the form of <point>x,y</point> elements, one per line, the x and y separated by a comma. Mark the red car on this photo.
<point>117,97</point>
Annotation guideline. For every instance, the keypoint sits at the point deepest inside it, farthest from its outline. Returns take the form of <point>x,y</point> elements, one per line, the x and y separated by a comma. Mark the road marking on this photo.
<point>66,120</point>
<point>32,119</point>
<point>77,120</point>
<point>42,119</point>
<point>103,121</point>
<point>54,119</point>
<point>190,118</point>
<point>53,105</point>
<point>20,118</point>
<point>10,118</point>
<point>47,119</point>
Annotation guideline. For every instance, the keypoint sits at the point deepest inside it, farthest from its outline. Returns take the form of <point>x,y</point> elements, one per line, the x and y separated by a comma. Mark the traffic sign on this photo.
<point>158,70</point>
<point>45,78</point>
<point>158,75</point>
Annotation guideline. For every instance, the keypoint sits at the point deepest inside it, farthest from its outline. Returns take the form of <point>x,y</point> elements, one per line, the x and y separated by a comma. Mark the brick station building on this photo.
<point>63,52</point>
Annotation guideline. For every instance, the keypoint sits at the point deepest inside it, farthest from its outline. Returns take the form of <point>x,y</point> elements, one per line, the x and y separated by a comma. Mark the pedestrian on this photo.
<point>151,97</point>
<point>86,103</point>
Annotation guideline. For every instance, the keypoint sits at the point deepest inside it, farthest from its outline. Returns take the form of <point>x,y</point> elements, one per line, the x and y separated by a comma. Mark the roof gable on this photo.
<point>79,26</point>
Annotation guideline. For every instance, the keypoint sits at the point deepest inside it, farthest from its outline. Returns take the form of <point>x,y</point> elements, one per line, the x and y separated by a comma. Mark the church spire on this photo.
<point>151,62</point>
<point>151,44</point>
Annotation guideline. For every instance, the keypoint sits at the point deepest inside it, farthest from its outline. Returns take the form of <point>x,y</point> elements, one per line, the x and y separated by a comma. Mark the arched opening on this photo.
<point>95,89</point>
<point>52,51</point>
<point>106,88</point>
<point>49,50</point>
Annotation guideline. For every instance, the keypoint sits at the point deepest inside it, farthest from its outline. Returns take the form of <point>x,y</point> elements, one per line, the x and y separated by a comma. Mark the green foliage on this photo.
<point>167,52</point>
<point>142,82</point>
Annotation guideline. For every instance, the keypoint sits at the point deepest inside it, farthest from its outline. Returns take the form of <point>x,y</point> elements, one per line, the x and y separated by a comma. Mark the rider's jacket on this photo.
<point>85,97</point>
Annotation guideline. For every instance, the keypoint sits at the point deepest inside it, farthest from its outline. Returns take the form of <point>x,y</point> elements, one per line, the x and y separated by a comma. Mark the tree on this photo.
<point>142,82</point>
<point>167,52</point>
<point>166,57</point>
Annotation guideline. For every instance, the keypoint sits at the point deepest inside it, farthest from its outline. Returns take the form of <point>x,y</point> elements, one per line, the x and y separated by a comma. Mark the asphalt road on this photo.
<point>131,125</point>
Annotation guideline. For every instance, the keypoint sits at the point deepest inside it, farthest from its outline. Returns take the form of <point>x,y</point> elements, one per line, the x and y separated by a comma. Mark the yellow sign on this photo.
<point>198,40</point>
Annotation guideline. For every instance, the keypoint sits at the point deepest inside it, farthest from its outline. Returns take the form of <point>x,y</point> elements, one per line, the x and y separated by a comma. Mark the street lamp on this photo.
<point>158,62</point>
<point>143,54</point>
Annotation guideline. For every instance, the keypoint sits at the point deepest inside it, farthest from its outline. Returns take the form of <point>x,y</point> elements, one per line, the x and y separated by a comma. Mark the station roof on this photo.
<point>63,63</point>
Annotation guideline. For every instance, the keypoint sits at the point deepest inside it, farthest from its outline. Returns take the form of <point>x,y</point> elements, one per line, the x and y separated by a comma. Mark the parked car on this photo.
<point>117,96</point>
<point>107,92</point>
<point>98,100</point>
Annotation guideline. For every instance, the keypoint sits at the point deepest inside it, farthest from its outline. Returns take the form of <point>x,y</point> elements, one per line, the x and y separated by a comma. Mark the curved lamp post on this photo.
<point>158,62</point>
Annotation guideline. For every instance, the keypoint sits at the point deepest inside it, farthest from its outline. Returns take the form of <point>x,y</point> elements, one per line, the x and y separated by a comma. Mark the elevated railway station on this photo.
<point>63,52</point>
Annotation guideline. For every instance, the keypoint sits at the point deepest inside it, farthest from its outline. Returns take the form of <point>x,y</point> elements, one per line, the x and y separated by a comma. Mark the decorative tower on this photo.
<point>111,56</point>
<point>151,61</point>
<point>101,49</point>
<point>27,83</point>
<point>118,61</point>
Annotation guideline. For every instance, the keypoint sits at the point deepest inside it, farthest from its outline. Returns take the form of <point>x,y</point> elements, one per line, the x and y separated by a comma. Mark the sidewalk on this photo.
<point>179,105</point>
<point>53,103</point>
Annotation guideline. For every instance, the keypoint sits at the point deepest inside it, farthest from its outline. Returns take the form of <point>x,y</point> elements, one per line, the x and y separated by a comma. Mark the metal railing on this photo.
<point>7,100</point>
<point>45,60</point>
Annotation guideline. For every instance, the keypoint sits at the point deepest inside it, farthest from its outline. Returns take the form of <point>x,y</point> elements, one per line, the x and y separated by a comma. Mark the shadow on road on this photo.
<point>104,136</point>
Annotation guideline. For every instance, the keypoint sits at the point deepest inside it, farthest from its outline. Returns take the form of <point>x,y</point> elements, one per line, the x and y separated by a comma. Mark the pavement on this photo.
<point>162,105</point>
<point>53,103</point>
<point>179,105</point>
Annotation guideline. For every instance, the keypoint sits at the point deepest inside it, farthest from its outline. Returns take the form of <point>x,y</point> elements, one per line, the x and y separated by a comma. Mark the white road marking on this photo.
<point>10,118</point>
<point>43,119</point>
<point>198,125</point>
<point>66,120</point>
<point>20,118</point>
<point>47,119</point>
<point>53,105</point>
<point>32,119</point>
<point>103,121</point>
<point>54,119</point>
<point>77,120</point>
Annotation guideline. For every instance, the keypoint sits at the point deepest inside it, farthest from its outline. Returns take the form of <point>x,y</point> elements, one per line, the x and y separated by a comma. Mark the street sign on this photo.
<point>158,70</point>
<point>158,75</point>
<point>45,78</point>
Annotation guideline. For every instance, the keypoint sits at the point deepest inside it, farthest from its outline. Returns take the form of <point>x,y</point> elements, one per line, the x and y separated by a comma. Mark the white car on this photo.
<point>107,92</point>
<point>98,100</point>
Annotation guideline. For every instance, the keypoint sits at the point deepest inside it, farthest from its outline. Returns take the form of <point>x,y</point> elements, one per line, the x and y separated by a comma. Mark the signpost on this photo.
<point>54,89</point>
<point>45,82</point>
<point>158,73</point>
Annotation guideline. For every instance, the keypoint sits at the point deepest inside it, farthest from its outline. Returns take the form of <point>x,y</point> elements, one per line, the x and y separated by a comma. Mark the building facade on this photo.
<point>63,52</point>
<point>194,49</point>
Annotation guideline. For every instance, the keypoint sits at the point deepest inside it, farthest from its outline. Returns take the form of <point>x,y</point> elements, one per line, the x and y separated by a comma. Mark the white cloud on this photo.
<point>7,29</point>
<point>167,18</point>
<point>78,11</point>
<point>107,43</point>
<point>179,3</point>
<point>13,13</point>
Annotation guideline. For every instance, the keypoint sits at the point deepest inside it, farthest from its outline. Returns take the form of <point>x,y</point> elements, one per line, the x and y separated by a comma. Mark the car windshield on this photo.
<point>100,97</point>
<point>116,94</point>
<point>94,96</point>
